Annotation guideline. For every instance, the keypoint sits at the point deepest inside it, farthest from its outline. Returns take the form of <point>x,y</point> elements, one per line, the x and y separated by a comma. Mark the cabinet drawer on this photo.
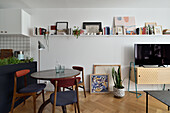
<point>151,75</point>
<point>147,76</point>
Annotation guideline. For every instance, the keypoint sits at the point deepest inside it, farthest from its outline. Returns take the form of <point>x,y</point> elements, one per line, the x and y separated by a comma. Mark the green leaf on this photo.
<point>117,78</point>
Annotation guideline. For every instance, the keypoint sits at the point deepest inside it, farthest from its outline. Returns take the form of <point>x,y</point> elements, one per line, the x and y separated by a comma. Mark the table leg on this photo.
<point>64,109</point>
<point>43,106</point>
<point>146,102</point>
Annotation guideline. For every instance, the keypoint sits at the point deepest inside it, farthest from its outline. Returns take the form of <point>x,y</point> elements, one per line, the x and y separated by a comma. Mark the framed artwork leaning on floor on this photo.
<point>99,83</point>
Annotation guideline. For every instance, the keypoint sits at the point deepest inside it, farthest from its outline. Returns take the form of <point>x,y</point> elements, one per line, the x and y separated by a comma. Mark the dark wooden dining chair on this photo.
<point>64,98</point>
<point>81,83</point>
<point>5,53</point>
<point>28,90</point>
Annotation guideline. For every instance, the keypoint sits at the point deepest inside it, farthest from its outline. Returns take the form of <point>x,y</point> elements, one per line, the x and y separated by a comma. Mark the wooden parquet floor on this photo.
<point>104,103</point>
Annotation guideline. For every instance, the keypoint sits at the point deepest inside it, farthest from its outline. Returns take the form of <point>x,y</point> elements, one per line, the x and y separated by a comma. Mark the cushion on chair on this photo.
<point>64,98</point>
<point>32,88</point>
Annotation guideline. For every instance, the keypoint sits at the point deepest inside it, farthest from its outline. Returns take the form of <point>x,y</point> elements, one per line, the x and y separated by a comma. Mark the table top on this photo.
<point>163,96</point>
<point>51,74</point>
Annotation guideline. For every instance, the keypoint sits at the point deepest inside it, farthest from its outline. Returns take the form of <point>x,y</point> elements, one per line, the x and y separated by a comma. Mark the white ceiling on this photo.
<point>84,3</point>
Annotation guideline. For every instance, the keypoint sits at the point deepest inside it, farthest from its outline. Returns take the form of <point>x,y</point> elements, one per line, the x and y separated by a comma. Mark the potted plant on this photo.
<point>77,31</point>
<point>118,88</point>
<point>14,60</point>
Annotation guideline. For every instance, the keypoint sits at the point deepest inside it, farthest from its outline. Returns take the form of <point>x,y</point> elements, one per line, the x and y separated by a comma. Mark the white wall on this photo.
<point>87,51</point>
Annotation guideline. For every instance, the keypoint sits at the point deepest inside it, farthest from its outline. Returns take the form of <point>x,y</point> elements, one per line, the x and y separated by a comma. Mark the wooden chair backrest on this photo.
<point>80,69</point>
<point>65,82</point>
<point>22,72</point>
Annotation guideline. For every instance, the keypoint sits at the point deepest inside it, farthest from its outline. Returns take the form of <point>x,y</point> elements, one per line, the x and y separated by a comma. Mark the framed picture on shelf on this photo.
<point>128,22</point>
<point>61,28</point>
<point>158,30</point>
<point>92,27</point>
<point>151,24</point>
<point>99,83</point>
<point>119,30</point>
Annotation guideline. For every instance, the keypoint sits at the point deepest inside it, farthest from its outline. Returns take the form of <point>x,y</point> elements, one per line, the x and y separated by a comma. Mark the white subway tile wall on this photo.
<point>17,43</point>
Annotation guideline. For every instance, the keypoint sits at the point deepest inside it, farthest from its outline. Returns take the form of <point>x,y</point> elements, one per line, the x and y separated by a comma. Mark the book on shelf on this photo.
<point>39,31</point>
<point>106,31</point>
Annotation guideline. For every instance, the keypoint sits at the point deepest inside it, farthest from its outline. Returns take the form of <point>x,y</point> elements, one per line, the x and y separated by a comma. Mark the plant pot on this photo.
<point>119,92</point>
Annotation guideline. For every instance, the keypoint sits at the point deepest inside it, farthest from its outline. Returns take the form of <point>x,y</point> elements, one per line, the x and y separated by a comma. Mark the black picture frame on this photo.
<point>93,23</point>
<point>61,23</point>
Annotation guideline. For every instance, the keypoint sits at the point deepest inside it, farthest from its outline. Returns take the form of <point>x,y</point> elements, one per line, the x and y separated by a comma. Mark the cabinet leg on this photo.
<point>136,92</point>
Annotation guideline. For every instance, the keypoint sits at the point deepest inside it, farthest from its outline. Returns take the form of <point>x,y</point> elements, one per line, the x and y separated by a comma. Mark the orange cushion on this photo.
<point>22,72</point>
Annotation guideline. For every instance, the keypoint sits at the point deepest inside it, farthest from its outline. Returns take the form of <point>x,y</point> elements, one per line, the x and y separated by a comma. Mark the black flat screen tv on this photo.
<point>152,54</point>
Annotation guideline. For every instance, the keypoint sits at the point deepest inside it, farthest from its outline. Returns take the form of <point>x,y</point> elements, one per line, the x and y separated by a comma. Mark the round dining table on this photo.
<point>51,74</point>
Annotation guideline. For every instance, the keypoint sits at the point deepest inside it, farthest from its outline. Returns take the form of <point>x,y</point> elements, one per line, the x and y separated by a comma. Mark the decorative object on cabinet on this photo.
<point>92,27</point>
<point>14,22</point>
<point>21,55</point>
<point>118,88</point>
<point>61,28</point>
<point>158,30</point>
<point>127,22</point>
<point>40,47</point>
<point>99,83</point>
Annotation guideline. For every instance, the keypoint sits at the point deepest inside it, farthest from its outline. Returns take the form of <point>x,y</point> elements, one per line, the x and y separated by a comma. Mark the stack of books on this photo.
<point>166,31</point>
<point>39,31</point>
<point>106,31</point>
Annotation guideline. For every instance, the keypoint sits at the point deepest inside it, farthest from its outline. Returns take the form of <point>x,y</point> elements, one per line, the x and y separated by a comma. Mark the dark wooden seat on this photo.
<point>30,90</point>
<point>64,98</point>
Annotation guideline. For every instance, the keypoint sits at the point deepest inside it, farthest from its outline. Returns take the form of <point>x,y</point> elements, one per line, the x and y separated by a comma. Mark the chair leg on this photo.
<point>12,105</point>
<point>34,102</point>
<point>53,108</point>
<point>64,109</point>
<point>78,107</point>
<point>43,96</point>
<point>24,100</point>
<point>75,108</point>
<point>73,87</point>
<point>84,91</point>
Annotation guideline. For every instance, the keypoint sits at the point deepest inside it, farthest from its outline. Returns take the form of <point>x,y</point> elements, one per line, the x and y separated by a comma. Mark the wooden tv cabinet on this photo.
<point>159,75</point>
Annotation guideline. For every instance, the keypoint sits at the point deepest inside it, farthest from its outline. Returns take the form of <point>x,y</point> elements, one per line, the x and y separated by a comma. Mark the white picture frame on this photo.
<point>158,30</point>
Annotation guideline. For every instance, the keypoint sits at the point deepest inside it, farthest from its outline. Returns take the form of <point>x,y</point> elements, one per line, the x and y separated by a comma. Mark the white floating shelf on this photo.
<point>105,36</point>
